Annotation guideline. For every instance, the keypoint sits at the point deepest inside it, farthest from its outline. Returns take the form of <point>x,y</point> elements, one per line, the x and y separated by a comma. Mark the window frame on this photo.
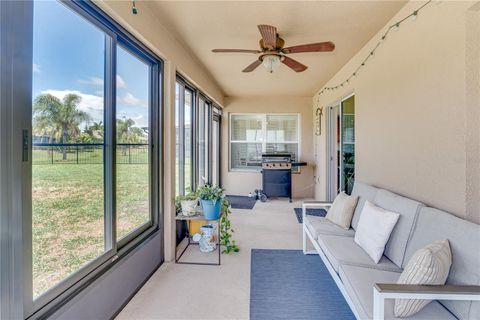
<point>217,118</point>
<point>207,127</point>
<point>52,299</point>
<point>195,123</point>
<point>181,123</point>
<point>153,160</point>
<point>264,141</point>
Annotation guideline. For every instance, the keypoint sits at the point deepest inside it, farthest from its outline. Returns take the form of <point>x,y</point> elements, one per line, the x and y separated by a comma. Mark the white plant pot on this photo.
<point>189,207</point>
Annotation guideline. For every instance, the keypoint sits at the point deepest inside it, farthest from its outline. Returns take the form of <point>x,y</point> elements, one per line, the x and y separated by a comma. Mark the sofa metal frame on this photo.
<point>383,291</point>
<point>319,251</point>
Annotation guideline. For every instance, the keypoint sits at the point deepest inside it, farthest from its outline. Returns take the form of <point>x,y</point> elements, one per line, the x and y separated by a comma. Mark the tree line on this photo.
<point>59,120</point>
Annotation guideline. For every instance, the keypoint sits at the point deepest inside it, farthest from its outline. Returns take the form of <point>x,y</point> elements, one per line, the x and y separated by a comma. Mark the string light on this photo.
<point>134,9</point>
<point>412,17</point>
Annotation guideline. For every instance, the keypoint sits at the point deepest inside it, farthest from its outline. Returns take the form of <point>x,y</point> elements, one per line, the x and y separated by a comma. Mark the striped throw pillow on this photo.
<point>428,266</point>
<point>342,209</point>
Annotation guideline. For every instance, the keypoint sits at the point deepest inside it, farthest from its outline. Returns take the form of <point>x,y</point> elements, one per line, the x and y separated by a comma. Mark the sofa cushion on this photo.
<point>320,225</point>
<point>363,192</point>
<point>342,209</point>
<point>408,210</point>
<point>374,229</point>
<point>464,239</point>
<point>359,281</point>
<point>343,250</point>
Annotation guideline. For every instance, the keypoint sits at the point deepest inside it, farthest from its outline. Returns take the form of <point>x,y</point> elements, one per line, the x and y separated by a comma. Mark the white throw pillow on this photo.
<point>341,211</point>
<point>374,229</point>
<point>429,265</point>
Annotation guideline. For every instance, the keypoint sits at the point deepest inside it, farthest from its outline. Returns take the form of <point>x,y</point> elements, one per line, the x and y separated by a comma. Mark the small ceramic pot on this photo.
<point>189,207</point>
<point>208,241</point>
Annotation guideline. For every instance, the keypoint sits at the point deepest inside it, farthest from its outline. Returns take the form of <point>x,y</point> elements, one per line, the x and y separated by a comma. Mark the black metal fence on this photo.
<point>87,153</point>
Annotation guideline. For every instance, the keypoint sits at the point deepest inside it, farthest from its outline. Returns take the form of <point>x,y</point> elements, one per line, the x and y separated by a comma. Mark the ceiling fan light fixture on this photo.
<point>273,53</point>
<point>271,62</point>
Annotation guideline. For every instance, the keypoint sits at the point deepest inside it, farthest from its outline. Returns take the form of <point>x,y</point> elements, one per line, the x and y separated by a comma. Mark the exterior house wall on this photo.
<point>241,183</point>
<point>414,127</point>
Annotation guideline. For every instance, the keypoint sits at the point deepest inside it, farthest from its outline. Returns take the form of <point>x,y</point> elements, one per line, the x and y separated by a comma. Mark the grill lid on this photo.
<point>276,158</point>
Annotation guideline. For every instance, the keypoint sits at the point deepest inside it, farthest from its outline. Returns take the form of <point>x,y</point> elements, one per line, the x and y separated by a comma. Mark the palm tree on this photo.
<point>127,133</point>
<point>124,128</point>
<point>93,133</point>
<point>59,119</point>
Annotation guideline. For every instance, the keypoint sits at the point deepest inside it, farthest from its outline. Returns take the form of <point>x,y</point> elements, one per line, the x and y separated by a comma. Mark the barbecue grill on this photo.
<point>277,175</point>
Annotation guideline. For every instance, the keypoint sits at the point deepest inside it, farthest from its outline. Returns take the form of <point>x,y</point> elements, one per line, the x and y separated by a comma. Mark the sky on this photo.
<point>68,57</point>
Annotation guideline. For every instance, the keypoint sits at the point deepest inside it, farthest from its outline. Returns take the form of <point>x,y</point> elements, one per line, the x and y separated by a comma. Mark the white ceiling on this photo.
<point>204,25</point>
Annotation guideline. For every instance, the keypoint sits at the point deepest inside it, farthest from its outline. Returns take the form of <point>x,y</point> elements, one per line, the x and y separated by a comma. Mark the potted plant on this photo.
<point>211,200</point>
<point>188,204</point>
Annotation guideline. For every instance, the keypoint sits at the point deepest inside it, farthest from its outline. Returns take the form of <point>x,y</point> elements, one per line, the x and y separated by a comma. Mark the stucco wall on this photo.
<point>241,183</point>
<point>472,64</point>
<point>412,120</point>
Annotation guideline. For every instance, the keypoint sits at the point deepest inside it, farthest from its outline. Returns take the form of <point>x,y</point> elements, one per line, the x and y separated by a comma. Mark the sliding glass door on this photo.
<point>69,147</point>
<point>341,147</point>
<point>347,173</point>
<point>133,143</point>
<point>95,148</point>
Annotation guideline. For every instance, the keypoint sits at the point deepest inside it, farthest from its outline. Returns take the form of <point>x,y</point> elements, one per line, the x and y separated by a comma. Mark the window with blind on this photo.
<point>253,134</point>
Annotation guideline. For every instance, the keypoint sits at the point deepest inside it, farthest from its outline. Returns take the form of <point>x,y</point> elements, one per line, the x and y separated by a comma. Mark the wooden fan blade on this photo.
<point>253,66</point>
<point>269,35</point>
<point>312,47</point>
<point>294,64</point>
<point>235,51</point>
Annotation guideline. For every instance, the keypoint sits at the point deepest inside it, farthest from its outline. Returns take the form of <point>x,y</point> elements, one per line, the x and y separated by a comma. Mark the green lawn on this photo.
<point>68,215</point>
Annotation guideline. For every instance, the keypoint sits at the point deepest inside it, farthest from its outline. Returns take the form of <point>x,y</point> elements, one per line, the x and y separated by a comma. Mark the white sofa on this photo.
<point>370,288</point>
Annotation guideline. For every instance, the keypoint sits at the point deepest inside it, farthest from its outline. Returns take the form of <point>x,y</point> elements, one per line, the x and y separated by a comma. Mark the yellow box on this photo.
<point>195,225</point>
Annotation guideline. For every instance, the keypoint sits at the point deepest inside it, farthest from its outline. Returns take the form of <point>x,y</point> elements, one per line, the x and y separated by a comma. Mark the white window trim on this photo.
<point>264,141</point>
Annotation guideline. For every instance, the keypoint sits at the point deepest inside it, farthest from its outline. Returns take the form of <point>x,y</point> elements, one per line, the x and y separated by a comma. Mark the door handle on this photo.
<point>25,142</point>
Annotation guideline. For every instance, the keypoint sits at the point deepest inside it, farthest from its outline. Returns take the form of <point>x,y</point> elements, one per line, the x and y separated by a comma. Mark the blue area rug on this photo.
<point>310,212</point>
<point>286,284</point>
<point>241,202</point>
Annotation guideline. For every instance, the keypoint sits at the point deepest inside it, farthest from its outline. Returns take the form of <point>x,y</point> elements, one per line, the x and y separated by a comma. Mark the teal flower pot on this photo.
<point>211,209</point>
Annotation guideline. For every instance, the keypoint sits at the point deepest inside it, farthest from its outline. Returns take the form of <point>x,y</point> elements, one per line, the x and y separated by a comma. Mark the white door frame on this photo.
<point>332,153</point>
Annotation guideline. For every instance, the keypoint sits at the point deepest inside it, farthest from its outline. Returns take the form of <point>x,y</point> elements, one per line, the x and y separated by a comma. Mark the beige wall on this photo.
<point>473,111</point>
<point>241,183</point>
<point>412,120</point>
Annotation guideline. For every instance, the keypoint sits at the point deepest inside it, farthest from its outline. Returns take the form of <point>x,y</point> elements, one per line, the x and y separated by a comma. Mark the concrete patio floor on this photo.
<point>178,291</point>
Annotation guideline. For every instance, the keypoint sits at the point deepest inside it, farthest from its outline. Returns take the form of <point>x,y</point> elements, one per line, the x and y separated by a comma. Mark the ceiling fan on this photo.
<point>272,51</point>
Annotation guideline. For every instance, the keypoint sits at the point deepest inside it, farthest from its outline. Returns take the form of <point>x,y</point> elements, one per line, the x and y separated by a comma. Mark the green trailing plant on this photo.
<point>226,231</point>
<point>209,192</point>
<point>215,193</point>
